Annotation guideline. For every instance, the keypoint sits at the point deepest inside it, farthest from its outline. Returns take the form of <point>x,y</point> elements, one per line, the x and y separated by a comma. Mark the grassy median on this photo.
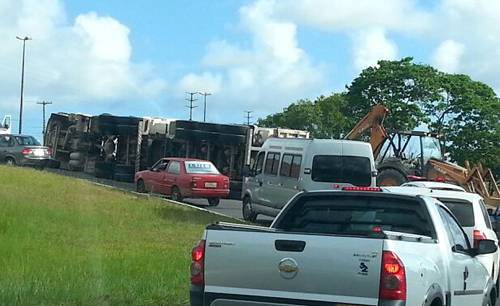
<point>67,242</point>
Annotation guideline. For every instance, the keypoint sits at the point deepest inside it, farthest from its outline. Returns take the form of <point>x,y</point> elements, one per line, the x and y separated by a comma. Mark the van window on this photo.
<point>355,170</point>
<point>286,165</point>
<point>296,163</point>
<point>463,211</point>
<point>260,162</point>
<point>290,165</point>
<point>272,163</point>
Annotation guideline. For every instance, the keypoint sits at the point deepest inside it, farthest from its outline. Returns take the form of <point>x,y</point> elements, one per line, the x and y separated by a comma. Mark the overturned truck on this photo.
<point>116,147</point>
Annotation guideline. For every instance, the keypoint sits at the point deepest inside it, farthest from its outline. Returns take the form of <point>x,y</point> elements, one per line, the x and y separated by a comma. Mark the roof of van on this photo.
<point>276,140</point>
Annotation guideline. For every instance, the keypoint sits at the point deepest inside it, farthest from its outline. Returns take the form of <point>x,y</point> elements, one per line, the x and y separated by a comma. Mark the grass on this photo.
<point>67,242</point>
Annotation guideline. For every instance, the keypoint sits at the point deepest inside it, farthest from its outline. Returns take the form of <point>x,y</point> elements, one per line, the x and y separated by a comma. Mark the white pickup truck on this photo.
<point>344,248</point>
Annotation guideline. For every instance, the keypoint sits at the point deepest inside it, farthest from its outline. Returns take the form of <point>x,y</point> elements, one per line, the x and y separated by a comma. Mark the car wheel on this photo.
<point>176,194</point>
<point>9,161</point>
<point>247,210</point>
<point>213,201</point>
<point>141,187</point>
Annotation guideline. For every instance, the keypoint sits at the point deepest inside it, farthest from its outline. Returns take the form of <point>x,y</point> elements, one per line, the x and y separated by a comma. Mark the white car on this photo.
<point>434,185</point>
<point>470,210</point>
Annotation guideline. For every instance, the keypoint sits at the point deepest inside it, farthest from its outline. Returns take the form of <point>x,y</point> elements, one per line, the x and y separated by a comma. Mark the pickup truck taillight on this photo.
<point>198,264</point>
<point>392,278</point>
<point>478,236</point>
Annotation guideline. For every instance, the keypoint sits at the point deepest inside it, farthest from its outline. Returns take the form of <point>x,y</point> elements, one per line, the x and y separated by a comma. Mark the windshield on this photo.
<point>200,167</point>
<point>27,141</point>
<point>432,148</point>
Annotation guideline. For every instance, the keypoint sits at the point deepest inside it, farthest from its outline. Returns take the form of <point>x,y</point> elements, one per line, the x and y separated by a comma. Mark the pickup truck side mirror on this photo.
<point>486,247</point>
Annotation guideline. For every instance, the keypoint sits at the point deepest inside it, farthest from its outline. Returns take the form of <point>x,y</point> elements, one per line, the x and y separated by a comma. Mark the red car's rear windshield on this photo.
<point>200,167</point>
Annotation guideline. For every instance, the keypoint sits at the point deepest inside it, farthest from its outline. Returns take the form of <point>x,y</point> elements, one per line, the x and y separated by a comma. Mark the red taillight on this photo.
<point>198,264</point>
<point>441,179</point>
<point>194,181</point>
<point>478,236</point>
<point>354,188</point>
<point>49,151</point>
<point>392,278</point>
<point>26,151</point>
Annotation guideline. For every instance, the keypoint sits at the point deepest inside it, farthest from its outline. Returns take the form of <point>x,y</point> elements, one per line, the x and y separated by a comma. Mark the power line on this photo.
<point>43,103</point>
<point>191,106</point>
<point>248,116</point>
<point>204,94</point>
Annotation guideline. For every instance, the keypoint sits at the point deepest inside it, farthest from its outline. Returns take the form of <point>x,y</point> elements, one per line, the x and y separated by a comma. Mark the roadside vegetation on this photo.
<point>68,242</point>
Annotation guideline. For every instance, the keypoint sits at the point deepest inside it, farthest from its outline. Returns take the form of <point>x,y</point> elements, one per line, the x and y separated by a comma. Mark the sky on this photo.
<point>139,58</point>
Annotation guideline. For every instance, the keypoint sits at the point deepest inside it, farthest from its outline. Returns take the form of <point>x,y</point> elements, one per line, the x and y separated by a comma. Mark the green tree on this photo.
<point>467,114</point>
<point>323,118</point>
<point>401,86</point>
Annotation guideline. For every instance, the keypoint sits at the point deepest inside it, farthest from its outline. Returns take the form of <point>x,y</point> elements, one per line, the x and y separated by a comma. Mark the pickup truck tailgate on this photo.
<point>303,267</point>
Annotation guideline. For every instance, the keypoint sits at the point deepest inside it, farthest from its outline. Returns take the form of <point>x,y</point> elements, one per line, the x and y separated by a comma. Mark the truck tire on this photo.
<point>390,177</point>
<point>247,210</point>
<point>76,156</point>
<point>75,165</point>
<point>213,201</point>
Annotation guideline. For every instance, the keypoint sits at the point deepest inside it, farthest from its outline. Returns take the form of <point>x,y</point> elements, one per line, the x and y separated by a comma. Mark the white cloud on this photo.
<point>370,46</point>
<point>448,56</point>
<point>345,15</point>
<point>86,59</point>
<point>264,77</point>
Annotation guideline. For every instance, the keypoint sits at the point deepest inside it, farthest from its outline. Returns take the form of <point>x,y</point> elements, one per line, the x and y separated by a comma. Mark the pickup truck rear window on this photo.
<point>462,210</point>
<point>356,215</point>
<point>353,170</point>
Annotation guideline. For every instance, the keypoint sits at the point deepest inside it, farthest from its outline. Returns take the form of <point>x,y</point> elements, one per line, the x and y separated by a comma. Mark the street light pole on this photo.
<point>205,94</point>
<point>43,103</point>
<point>22,83</point>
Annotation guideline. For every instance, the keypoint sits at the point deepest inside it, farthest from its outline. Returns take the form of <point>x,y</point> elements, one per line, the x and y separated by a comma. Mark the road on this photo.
<point>227,207</point>
<point>230,208</point>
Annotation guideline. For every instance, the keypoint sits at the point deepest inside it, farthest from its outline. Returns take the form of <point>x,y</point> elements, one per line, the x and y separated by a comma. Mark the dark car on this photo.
<point>23,150</point>
<point>184,178</point>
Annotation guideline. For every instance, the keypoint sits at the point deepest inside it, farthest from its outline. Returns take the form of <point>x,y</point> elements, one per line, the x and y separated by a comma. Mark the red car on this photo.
<point>184,178</point>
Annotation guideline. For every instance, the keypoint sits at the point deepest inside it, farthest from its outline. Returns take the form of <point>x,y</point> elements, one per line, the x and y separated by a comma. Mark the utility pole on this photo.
<point>248,116</point>
<point>43,103</point>
<point>22,84</point>
<point>191,106</point>
<point>204,94</point>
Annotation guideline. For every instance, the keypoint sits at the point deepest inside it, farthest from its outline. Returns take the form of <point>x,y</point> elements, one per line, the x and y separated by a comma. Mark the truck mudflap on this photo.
<point>289,268</point>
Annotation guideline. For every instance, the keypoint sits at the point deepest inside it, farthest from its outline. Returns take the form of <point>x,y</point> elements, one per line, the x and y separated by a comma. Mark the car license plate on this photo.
<point>210,185</point>
<point>38,152</point>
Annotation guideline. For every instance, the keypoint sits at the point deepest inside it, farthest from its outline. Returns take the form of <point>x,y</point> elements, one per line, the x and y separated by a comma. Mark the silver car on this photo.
<point>23,150</point>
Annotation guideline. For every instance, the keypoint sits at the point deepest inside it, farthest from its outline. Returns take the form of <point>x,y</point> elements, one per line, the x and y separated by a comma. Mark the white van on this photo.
<point>284,167</point>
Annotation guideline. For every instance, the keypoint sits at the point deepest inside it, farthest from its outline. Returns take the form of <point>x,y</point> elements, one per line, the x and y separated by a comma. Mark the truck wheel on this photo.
<point>213,201</point>
<point>176,194</point>
<point>75,165</point>
<point>390,177</point>
<point>9,161</point>
<point>247,210</point>
<point>141,187</point>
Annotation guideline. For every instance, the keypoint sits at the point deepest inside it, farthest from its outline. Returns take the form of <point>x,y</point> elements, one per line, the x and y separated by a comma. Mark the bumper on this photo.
<point>208,193</point>
<point>196,296</point>
<point>34,162</point>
